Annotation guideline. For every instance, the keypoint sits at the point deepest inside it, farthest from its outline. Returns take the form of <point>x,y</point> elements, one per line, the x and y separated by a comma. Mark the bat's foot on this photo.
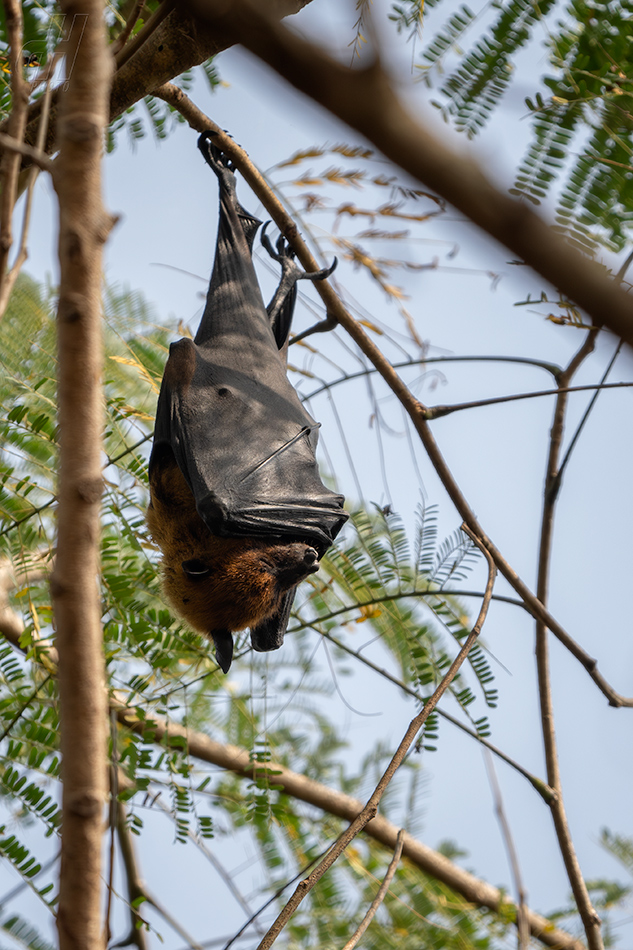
<point>284,255</point>
<point>215,159</point>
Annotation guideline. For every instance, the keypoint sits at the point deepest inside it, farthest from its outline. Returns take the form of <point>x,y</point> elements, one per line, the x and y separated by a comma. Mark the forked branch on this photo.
<point>589,917</point>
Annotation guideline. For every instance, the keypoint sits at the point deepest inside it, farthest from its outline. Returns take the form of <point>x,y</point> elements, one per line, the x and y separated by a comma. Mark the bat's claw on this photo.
<point>320,274</point>
<point>283,253</point>
<point>223,648</point>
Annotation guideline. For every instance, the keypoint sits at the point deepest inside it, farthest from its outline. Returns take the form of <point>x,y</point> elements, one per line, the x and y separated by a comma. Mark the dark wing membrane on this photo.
<point>245,445</point>
<point>269,634</point>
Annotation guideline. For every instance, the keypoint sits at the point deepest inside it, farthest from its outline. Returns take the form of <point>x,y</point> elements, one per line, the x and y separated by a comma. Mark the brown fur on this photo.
<point>247,577</point>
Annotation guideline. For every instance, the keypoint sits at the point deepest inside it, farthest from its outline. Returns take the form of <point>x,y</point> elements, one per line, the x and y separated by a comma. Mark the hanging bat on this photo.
<point>237,505</point>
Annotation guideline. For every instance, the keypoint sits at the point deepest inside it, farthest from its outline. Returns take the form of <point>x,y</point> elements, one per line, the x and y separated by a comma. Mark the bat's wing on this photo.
<point>239,433</point>
<point>269,634</point>
<point>244,443</point>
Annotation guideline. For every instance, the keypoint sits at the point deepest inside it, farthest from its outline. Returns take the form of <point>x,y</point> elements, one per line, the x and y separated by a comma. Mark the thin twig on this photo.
<point>155,20</point>
<point>122,38</point>
<point>592,402</point>
<point>271,900</point>
<point>135,889</point>
<point>23,708</point>
<point>38,157</point>
<point>589,917</point>
<point>12,275</point>
<point>112,820</point>
<point>541,787</point>
<point>436,412</point>
<point>219,867</point>
<point>371,807</point>
<point>413,407</point>
<point>380,896</point>
<point>522,923</point>
<point>423,361</point>
<point>10,164</point>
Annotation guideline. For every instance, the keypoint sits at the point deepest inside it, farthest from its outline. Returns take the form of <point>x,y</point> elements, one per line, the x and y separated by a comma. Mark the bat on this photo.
<point>237,505</point>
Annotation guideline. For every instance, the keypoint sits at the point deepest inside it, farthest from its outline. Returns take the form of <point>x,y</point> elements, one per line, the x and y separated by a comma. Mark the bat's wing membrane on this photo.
<point>245,444</point>
<point>269,634</point>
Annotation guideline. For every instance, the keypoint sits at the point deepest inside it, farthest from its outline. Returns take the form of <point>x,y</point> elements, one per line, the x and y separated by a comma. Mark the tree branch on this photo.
<point>83,229</point>
<point>380,896</point>
<point>40,160</point>
<point>237,760</point>
<point>589,917</point>
<point>370,809</point>
<point>135,889</point>
<point>177,43</point>
<point>513,860</point>
<point>437,412</point>
<point>538,784</point>
<point>37,156</point>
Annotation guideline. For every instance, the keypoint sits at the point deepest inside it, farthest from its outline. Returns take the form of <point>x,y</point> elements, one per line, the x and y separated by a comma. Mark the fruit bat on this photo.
<point>237,505</point>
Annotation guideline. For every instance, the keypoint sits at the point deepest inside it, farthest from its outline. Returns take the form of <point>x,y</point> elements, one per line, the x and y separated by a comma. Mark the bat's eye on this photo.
<point>195,569</point>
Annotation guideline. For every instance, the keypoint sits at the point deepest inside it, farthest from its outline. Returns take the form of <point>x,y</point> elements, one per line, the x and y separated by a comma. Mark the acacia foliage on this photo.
<point>272,706</point>
<point>581,116</point>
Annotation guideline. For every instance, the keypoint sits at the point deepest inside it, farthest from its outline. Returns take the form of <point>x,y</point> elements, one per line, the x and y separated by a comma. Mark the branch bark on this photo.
<point>83,228</point>
<point>380,896</point>
<point>135,888</point>
<point>234,759</point>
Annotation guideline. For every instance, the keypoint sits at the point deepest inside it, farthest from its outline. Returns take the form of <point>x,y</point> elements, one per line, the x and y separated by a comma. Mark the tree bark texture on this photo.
<point>83,228</point>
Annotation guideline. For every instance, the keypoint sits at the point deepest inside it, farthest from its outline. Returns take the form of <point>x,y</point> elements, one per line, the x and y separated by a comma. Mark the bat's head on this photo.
<point>234,583</point>
<point>220,585</point>
<point>248,583</point>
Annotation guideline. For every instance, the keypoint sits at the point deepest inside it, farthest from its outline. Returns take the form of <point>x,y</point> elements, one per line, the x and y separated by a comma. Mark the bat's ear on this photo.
<point>223,648</point>
<point>195,569</point>
<point>269,634</point>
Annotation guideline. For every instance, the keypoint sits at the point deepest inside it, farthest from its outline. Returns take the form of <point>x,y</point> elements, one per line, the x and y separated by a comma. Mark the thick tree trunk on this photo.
<point>83,228</point>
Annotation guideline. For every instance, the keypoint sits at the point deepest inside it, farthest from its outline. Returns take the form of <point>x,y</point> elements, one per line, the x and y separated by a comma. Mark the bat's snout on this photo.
<point>311,559</point>
<point>298,561</point>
